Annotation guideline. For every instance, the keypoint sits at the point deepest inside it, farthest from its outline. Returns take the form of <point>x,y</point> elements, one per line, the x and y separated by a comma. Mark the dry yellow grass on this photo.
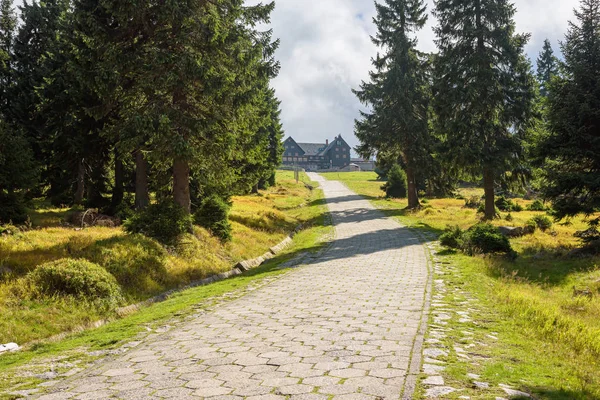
<point>142,267</point>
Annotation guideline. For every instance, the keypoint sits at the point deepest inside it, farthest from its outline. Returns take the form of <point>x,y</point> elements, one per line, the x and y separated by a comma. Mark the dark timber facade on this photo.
<point>317,156</point>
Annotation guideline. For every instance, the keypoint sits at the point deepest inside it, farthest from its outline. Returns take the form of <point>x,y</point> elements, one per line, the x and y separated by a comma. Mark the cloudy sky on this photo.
<point>325,52</point>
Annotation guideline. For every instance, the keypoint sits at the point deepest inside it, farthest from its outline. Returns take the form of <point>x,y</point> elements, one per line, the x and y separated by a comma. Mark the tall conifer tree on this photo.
<point>572,148</point>
<point>8,25</point>
<point>398,91</point>
<point>547,67</point>
<point>484,89</point>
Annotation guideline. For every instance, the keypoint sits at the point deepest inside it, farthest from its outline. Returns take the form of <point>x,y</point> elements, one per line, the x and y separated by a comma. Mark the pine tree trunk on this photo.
<point>255,189</point>
<point>413,195</point>
<point>488,185</point>
<point>118,189</point>
<point>80,190</point>
<point>181,184</point>
<point>142,198</point>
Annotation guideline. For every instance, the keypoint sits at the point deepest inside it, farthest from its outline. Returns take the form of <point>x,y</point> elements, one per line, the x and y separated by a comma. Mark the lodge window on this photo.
<point>345,156</point>
<point>337,156</point>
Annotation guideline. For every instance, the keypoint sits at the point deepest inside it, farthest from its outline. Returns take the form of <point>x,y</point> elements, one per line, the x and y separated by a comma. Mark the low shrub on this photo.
<point>382,174</point>
<point>537,205</point>
<point>509,217</point>
<point>13,210</point>
<point>164,222</point>
<point>506,205</point>
<point>486,239</point>
<point>9,230</point>
<point>138,263</point>
<point>213,214</point>
<point>396,187</point>
<point>75,277</point>
<point>479,239</point>
<point>124,211</point>
<point>481,209</point>
<point>473,202</point>
<point>592,234</point>
<point>530,227</point>
<point>503,204</point>
<point>453,237</point>
<point>543,222</point>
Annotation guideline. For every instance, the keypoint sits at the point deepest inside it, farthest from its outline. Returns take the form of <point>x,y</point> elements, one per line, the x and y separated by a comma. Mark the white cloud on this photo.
<point>325,52</point>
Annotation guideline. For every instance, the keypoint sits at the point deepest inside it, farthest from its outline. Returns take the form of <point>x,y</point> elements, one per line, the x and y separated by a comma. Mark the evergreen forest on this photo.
<point>478,110</point>
<point>122,105</point>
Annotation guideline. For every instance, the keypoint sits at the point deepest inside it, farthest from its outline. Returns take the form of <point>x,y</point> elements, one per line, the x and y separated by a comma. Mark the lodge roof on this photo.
<point>312,149</point>
<point>317,149</point>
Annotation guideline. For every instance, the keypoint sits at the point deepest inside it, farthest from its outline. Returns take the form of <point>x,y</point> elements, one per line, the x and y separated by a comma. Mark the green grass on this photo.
<point>549,339</point>
<point>142,267</point>
<point>364,183</point>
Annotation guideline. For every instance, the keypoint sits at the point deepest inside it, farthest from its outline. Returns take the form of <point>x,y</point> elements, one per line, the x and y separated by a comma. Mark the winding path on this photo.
<point>347,326</point>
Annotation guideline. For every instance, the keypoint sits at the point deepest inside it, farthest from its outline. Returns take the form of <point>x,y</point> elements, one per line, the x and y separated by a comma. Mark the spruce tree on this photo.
<point>188,95</point>
<point>8,25</point>
<point>547,67</point>
<point>484,90</point>
<point>398,91</point>
<point>37,55</point>
<point>56,109</point>
<point>572,148</point>
<point>274,130</point>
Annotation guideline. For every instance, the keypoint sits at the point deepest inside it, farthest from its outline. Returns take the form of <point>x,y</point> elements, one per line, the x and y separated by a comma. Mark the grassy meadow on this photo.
<point>141,266</point>
<point>549,338</point>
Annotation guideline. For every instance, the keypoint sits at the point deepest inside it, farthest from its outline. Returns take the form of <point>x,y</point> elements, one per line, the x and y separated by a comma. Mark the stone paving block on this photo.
<point>337,389</point>
<point>98,394</point>
<point>266,397</point>
<point>177,393</point>
<point>123,386</point>
<point>387,373</point>
<point>166,383</point>
<point>279,382</point>
<point>119,372</point>
<point>294,389</point>
<point>347,373</point>
<point>91,388</point>
<point>136,394</point>
<point>343,323</point>
<point>212,391</point>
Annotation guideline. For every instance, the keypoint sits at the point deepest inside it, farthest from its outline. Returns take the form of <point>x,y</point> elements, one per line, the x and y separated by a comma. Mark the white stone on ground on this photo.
<point>9,347</point>
<point>438,391</point>
<point>516,393</point>
<point>435,353</point>
<point>434,380</point>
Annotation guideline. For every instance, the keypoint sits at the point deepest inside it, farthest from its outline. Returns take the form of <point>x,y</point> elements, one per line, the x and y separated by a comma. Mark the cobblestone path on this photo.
<point>343,327</point>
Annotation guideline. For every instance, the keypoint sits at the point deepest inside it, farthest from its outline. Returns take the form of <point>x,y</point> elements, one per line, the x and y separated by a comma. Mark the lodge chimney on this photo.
<point>327,142</point>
